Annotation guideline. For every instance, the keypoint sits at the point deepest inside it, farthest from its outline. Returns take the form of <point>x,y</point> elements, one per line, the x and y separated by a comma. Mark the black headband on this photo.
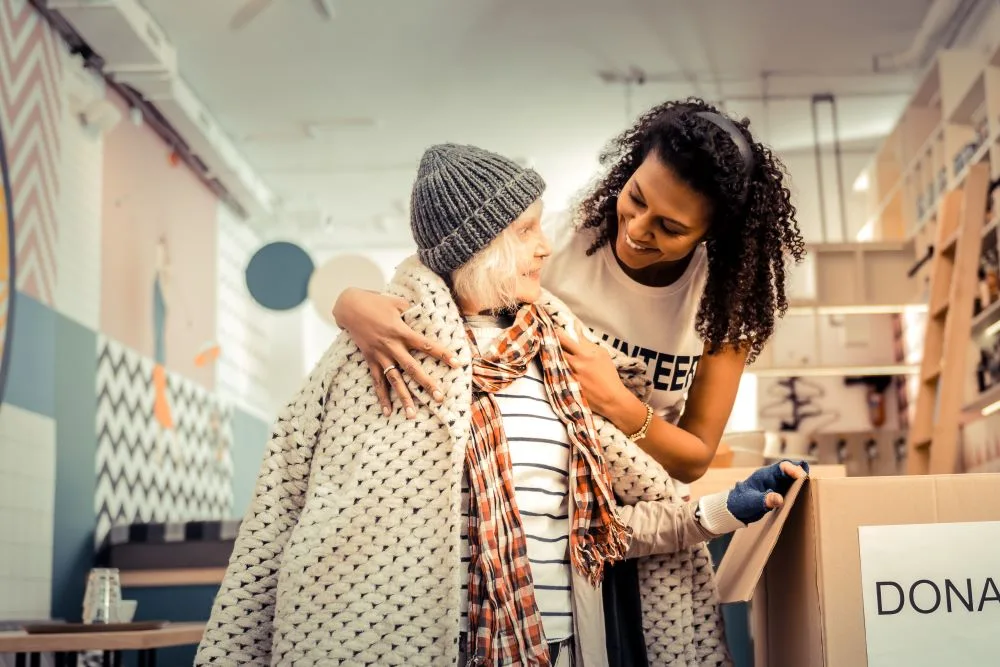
<point>729,127</point>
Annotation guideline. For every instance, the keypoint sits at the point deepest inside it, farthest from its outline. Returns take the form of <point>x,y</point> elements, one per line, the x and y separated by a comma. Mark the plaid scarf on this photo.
<point>505,626</point>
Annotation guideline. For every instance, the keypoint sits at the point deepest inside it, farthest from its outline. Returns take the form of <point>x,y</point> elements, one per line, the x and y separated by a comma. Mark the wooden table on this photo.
<point>66,646</point>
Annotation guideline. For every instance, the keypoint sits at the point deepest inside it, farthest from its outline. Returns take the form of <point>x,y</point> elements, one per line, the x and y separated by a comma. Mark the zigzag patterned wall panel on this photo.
<point>31,116</point>
<point>146,472</point>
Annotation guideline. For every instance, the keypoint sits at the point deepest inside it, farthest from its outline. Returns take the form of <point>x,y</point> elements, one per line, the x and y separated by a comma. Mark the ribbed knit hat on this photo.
<point>463,198</point>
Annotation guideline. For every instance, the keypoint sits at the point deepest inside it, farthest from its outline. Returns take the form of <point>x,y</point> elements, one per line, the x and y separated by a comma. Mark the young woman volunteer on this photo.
<point>677,257</point>
<point>478,533</point>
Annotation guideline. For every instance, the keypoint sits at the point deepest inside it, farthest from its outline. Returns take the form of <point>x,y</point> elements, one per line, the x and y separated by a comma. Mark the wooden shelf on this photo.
<point>982,321</point>
<point>972,101</point>
<point>991,226</point>
<point>171,634</point>
<point>931,214</point>
<point>982,153</point>
<point>952,242</point>
<point>201,576</point>
<point>836,371</point>
<point>973,409</point>
<point>957,93</point>
<point>860,275</point>
<point>958,71</point>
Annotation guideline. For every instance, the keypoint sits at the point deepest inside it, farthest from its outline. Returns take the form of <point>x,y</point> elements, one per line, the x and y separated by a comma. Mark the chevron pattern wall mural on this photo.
<point>31,115</point>
<point>145,472</point>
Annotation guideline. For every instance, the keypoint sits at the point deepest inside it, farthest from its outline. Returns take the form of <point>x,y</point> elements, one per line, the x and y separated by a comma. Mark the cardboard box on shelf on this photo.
<point>873,572</point>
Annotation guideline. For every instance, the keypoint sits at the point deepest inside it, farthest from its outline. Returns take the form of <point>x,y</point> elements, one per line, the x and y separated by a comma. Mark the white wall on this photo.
<point>805,185</point>
<point>318,333</point>
<point>27,502</point>
<point>78,258</point>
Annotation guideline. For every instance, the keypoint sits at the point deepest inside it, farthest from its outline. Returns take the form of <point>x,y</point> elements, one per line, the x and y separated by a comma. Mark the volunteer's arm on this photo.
<point>686,449</point>
<point>375,324</point>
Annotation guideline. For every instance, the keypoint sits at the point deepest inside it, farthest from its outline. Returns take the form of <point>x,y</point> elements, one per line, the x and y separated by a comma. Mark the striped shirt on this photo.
<point>539,454</point>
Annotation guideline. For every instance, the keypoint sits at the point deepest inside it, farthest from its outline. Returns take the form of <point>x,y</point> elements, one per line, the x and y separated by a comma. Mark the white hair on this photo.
<point>490,277</point>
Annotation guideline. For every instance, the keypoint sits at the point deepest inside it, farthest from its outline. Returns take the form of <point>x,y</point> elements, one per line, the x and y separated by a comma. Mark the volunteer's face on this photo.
<point>661,219</point>
<point>533,249</point>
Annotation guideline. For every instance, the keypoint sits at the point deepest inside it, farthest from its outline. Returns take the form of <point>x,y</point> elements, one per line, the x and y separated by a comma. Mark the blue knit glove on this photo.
<point>746,501</point>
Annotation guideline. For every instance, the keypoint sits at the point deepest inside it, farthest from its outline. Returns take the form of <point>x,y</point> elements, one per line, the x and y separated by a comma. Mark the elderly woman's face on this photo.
<point>532,250</point>
<point>508,271</point>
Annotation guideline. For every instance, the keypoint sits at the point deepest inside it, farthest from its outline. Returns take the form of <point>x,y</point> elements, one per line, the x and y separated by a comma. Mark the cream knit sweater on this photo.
<point>349,552</point>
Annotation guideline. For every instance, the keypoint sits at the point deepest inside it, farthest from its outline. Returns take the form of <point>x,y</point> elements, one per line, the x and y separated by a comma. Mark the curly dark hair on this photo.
<point>752,230</point>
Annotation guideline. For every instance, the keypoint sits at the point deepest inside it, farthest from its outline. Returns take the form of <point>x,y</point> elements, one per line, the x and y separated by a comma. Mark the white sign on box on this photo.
<point>931,594</point>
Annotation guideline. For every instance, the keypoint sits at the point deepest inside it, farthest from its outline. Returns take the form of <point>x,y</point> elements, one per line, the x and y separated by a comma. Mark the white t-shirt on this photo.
<point>655,324</point>
<point>539,456</point>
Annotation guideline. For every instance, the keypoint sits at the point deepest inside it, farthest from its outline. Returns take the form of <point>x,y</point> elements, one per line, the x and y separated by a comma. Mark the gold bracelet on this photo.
<point>641,433</point>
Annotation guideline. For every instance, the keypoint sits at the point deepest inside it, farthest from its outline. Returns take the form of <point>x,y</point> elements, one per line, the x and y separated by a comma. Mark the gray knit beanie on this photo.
<point>463,198</point>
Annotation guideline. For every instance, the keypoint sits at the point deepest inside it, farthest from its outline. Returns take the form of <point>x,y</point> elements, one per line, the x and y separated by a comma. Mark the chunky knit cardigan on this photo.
<point>321,572</point>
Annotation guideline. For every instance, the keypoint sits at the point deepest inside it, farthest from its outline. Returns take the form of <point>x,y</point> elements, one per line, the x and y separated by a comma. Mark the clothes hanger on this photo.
<point>802,406</point>
<point>776,410</point>
<point>830,417</point>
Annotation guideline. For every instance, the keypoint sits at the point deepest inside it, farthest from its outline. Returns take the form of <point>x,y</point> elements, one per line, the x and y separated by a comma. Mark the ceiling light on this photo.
<point>866,233</point>
<point>861,183</point>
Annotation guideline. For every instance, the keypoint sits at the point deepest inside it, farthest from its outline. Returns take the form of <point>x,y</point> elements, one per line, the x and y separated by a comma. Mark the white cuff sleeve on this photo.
<point>716,517</point>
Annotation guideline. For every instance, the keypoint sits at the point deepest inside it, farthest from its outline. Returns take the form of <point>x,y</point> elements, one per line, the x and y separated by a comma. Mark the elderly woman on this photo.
<point>478,532</point>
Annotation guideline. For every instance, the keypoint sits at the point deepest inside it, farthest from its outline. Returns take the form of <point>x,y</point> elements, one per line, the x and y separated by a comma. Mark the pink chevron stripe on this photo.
<point>25,245</point>
<point>36,80</point>
<point>18,59</point>
<point>30,278</point>
<point>16,20</point>
<point>35,140</point>
<point>30,69</point>
<point>50,68</point>
<point>47,111</point>
<point>33,242</point>
<point>28,153</point>
<point>29,194</point>
<point>34,203</point>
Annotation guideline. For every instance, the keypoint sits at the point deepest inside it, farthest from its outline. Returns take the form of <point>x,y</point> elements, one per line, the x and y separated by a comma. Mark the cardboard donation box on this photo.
<point>723,479</point>
<point>873,572</point>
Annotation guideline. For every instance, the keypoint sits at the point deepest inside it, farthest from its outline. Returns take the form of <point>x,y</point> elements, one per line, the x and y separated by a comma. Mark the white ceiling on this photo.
<point>386,78</point>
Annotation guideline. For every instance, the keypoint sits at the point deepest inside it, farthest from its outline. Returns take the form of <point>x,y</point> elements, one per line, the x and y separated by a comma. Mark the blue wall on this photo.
<point>31,379</point>
<point>53,372</point>
<point>76,451</point>
<point>250,436</point>
<point>176,603</point>
<point>736,616</point>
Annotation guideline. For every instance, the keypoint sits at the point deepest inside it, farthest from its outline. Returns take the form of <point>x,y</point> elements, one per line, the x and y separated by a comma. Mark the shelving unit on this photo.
<point>921,191</point>
<point>846,279</point>
<point>858,277</point>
